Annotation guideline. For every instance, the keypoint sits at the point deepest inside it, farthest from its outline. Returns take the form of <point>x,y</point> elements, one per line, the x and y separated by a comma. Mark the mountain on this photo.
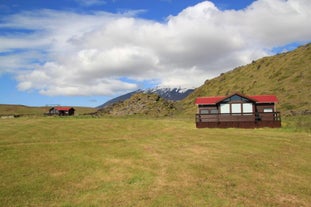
<point>118,99</point>
<point>172,94</point>
<point>286,75</point>
<point>150,104</point>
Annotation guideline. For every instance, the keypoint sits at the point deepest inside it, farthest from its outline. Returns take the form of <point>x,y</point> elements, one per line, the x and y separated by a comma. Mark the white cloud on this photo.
<point>89,54</point>
<point>52,79</point>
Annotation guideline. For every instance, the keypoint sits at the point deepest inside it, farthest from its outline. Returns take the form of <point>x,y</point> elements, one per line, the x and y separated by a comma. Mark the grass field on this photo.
<point>9,109</point>
<point>53,161</point>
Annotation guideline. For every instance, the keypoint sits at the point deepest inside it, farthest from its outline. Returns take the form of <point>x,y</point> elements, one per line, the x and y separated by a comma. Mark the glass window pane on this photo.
<point>236,108</point>
<point>224,108</point>
<point>247,108</point>
<point>214,111</point>
<point>268,110</point>
<point>203,111</point>
<point>236,98</point>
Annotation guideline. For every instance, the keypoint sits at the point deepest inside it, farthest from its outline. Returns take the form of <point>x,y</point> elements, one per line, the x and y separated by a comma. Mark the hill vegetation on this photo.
<point>141,104</point>
<point>7,109</point>
<point>286,75</point>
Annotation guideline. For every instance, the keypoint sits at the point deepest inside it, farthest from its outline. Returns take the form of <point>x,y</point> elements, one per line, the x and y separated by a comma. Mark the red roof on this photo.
<point>216,99</point>
<point>208,100</point>
<point>63,108</point>
<point>265,98</point>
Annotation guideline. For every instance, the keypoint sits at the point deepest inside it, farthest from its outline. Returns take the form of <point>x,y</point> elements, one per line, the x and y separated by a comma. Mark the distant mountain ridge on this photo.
<point>171,94</point>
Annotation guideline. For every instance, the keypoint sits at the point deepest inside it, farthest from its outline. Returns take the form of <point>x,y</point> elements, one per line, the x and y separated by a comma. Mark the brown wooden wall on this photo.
<point>261,107</point>
<point>251,120</point>
<point>247,125</point>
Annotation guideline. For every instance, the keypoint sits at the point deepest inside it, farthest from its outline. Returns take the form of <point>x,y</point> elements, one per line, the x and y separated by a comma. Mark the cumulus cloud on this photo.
<point>90,54</point>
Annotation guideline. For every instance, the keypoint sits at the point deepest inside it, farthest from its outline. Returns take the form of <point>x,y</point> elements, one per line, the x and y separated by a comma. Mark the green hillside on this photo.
<point>140,104</point>
<point>286,75</point>
<point>7,109</point>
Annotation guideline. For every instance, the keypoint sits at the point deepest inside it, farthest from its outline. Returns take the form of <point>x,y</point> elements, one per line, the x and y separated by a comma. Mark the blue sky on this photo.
<point>85,52</point>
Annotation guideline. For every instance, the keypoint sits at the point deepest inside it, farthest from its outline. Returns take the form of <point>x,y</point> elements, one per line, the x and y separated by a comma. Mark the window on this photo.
<point>236,108</point>
<point>236,105</point>
<point>203,111</point>
<point>266,110</point>
<point>214,111</point>
<point>247,108</point>
<point>235,98</point>
<point>225,108</point>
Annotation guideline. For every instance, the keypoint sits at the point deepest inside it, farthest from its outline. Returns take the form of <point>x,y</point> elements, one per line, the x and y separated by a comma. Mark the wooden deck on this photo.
<point>246,120</point>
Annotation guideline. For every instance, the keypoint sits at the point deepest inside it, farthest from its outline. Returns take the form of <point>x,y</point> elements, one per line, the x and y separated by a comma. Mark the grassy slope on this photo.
<point>21,110</point>
<point>6,109</point>
<point>286,75</point>
<point>68,161</point>
<point>148,104</point>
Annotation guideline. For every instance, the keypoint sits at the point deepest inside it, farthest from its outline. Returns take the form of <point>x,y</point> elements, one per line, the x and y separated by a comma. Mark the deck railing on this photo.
<point>239,117</point>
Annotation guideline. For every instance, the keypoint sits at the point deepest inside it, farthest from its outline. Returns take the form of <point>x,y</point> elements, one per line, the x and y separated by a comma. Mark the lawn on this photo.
<point>53,161</point>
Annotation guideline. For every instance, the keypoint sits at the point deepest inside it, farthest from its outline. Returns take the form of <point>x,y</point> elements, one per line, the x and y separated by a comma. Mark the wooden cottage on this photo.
<point>237,110</point>
<point>62,111</point>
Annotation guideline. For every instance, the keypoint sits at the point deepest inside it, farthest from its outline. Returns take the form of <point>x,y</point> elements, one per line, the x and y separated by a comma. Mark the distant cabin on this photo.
<point>237,110</point>
<point>62,111</point>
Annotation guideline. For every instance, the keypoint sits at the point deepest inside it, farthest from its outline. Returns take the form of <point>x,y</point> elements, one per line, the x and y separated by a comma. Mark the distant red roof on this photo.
<point>216,99</point>
<point>60,108</point>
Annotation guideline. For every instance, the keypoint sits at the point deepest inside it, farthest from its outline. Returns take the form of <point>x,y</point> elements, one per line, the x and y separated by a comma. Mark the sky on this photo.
<point>85,52</point>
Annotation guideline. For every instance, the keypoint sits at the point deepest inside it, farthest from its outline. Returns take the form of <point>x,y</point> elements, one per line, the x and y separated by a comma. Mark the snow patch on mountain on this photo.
<point>172,94</point>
